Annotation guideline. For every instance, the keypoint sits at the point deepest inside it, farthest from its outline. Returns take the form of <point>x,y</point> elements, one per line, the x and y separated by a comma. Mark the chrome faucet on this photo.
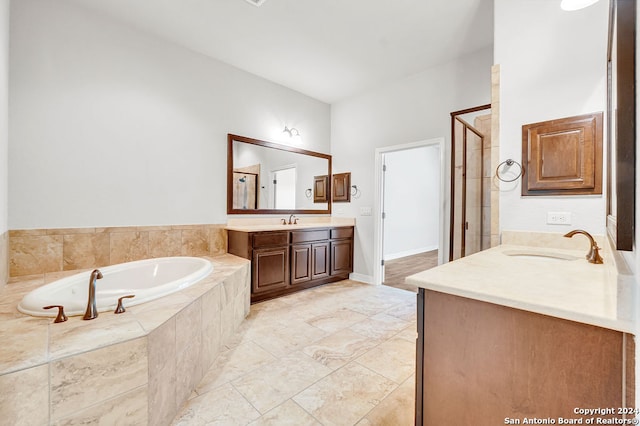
<point>594,255</point>
<point>91,311</point>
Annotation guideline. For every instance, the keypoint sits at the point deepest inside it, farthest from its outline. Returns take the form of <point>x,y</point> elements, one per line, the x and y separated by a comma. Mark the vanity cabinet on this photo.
<point>481,363</point>
<point>287,261</point>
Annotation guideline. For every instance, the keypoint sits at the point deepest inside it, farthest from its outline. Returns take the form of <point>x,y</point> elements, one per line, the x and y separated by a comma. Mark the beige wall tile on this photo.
<point>188,369</point>
<point>70,231</point>
<point>188,325</point>
<point>24,397</point>
<point>128,246</point>
<point>162,395</point>
<point>83,380</point>
<point>4,259</point>
<point>161,346</point>
<point>35,254</point>
<point>85,251</point>
<point>24,341</point>
<point>211,328</point>
<point>195,242</point>
<point>165,243</point>
<point>130,407</point>
<point>218,240</point>
<point>26,232</point>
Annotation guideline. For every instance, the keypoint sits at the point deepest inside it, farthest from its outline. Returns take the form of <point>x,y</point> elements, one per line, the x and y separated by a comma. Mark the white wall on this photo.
<point>552,65</point>
<point>412,109</point>
<point>4,115</point>
<point>110,126</point>
<point>411,201</point>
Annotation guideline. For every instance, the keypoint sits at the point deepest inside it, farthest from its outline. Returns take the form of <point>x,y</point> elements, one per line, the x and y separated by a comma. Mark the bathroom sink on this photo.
<point>544,256</point>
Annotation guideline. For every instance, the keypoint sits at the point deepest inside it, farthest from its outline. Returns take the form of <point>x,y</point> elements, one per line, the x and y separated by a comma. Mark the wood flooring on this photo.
<point>396,270</point>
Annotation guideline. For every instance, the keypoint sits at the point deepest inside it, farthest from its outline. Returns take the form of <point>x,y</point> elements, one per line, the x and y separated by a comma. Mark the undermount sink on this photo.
<point>540,255</point>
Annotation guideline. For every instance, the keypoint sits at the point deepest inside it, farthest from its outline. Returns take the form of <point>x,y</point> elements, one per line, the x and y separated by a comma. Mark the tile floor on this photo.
<point>339,354</point>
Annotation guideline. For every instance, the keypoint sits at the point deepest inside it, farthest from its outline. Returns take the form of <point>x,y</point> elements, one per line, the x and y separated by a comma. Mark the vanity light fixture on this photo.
<point>571,5</point>
<point>293,132</point>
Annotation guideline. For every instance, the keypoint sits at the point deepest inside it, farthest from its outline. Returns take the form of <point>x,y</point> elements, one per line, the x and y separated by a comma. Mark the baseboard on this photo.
<point>367,279</point>
<point>409,252</point>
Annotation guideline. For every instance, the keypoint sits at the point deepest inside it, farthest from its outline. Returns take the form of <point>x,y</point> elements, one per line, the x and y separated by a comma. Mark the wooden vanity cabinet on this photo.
<point>481,363</point>
<point>287,261</point>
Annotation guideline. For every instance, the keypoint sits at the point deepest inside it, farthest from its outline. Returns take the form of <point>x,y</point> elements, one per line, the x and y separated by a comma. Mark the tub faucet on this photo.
<point>594,255</point>
<point>91,311</point>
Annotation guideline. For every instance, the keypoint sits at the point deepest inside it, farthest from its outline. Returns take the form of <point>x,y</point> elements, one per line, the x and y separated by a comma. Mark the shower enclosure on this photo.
<point>471,180</point>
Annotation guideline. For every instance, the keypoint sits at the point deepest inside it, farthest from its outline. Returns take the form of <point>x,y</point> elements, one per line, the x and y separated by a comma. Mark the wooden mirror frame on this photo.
<point>621,141</point>
<point>244,139</point>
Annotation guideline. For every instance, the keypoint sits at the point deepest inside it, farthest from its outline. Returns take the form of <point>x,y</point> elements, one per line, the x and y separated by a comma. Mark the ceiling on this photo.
<point>326,49</point>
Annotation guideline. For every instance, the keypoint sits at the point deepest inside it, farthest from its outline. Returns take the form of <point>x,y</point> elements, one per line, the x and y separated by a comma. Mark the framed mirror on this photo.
<point>621,122</point>
<point>268,178</point>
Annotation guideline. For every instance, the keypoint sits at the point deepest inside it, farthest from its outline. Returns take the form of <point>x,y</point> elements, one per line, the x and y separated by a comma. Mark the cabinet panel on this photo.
<point>505,362</point>
<point>320,260</point>
<point>341,187</point>
<point>267,239</point>
<point>300,263</point>
<point>341,257</point>
<point>305,236</point>
<point>270,269</point>
<point>338,233</point>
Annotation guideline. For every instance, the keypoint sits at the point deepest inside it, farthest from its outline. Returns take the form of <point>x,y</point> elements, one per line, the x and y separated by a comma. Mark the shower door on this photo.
<point>470,183</point>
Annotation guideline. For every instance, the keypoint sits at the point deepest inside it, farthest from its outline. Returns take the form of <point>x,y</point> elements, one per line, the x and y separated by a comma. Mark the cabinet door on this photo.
<point>270,269</point>
<point>300,263</point>
<point>341,257</point>
<point>320,260</point>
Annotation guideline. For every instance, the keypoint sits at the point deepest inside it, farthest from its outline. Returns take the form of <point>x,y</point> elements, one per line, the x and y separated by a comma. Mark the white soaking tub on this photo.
<point>146,279</point>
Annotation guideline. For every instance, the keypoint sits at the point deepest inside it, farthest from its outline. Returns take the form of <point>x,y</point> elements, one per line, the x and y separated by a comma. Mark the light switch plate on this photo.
<point>559,218</point>
<point>365,211</point>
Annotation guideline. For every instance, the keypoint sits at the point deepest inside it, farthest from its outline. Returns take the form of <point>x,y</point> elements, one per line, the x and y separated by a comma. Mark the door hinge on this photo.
<point>382,262</point>
<point>275,181</point>
<point>466,225</point>
<point>384,167</point>
<point>384,215</point>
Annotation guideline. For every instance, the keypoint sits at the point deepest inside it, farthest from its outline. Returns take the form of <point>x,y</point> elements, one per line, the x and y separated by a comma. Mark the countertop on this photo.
<point>249,225</point>
<point>600,295</point>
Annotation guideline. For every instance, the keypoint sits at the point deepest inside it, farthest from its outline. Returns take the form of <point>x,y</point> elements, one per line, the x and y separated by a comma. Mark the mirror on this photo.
<point>621,121</point>
<point>265,177</point>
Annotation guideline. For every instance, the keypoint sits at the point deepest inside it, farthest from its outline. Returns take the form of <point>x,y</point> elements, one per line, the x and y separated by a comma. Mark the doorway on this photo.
<point>284,188</point>
<point>410,208</point>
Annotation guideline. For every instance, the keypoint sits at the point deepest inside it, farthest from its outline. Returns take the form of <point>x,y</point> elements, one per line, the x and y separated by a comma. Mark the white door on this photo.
<point>284,188</point>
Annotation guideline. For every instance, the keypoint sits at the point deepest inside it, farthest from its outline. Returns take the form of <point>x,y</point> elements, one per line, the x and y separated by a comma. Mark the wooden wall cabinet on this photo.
<point>321,189</point>
<point>287,261</point>
<point>341,187</point>
<point>509,363</point>
<point>563,157</point>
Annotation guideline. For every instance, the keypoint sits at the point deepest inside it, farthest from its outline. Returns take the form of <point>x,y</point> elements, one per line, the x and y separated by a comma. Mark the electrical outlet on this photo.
<point>365,211</point>
<point>558,218</point>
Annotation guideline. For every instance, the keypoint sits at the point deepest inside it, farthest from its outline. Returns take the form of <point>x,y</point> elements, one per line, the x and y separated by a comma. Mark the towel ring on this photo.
<point>308,192</point>
<point>509,162</point>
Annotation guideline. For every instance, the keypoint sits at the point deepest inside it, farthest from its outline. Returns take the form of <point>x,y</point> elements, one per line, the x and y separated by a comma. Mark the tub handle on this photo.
<point>120,309</point>
<point>61,316</point>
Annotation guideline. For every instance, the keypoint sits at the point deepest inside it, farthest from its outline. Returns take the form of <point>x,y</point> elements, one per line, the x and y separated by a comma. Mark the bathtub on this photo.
<point>146,279</point>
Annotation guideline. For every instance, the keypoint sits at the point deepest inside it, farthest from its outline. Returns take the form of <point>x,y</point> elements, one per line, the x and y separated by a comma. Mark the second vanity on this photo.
<point>520,331</point>
<point>289,258</point>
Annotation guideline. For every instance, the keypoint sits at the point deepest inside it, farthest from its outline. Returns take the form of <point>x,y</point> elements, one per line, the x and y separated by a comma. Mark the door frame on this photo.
<point>379,198</point>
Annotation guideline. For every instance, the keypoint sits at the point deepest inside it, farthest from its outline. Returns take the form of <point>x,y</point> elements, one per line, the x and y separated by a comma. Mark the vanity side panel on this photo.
<point>508,363</point>
<point>238,244</point>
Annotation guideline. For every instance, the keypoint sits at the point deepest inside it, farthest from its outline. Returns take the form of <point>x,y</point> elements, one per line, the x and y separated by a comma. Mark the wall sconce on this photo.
<point>355,192</point>
<point>293,132</point>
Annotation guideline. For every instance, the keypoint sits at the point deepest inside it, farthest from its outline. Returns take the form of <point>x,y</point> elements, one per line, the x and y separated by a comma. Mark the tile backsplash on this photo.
<point>39,251</point>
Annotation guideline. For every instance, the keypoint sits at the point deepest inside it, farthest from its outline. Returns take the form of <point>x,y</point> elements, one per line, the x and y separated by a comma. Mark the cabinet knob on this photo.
<point>120,309</point>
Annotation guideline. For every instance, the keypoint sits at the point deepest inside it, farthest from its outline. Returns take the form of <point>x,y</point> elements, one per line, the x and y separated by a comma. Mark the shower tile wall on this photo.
<point>495,154</point>
<point>39,251</point>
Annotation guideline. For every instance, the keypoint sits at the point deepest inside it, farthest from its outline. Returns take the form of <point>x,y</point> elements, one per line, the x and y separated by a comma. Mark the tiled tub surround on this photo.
<point>140,366</point>
<point>41,251</point>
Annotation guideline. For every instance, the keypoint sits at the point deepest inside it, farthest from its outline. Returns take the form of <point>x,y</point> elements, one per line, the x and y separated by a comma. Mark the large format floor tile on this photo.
<point>339,354</point>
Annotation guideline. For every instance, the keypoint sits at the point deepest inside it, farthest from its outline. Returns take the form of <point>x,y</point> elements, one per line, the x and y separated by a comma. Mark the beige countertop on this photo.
<point>516,276</point>
<point>274,224</point>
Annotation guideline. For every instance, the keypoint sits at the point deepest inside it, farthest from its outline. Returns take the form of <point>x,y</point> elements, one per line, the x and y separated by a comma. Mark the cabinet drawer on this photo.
<point>267,239</point>
<point>341,233</point>
<point>306,236</point>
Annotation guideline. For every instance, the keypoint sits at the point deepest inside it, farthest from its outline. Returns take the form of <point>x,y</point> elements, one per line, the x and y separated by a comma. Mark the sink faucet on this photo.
<point>91,311</point>
<point>593,256</point>
<point>294,222</point>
